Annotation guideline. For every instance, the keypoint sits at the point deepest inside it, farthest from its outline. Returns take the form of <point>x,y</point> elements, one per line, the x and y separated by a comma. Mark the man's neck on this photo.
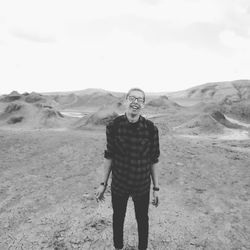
<point>132,118</point>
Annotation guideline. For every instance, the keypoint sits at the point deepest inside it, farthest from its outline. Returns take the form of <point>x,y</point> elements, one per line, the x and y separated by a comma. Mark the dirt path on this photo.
<point>48,179</point>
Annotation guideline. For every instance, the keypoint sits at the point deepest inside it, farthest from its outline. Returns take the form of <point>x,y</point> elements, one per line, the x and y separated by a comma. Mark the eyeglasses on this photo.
<point>133,98</point>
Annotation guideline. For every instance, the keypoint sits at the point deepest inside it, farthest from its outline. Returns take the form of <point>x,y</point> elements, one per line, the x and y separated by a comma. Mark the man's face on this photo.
<point>134,102</point>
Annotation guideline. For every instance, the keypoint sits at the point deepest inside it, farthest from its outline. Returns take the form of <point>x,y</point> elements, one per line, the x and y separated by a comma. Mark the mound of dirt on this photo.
<point>202,124</point>
<point>162,102</point>
<point>102,117</point>
<point>34,97</point>
<point>28,98</point>
<point>13,107</point>
<point>65,99</point>
<point>206,107</point>
<point>239,110</point>
<point>217,91</point>
<point>29,115</point>
<point>42,105</point>
<point>13,96</point>
<point>49,112</point>
<point>218,116</point>
<point>50,118</point>
<point>15,119</point>
<point>93,100</point>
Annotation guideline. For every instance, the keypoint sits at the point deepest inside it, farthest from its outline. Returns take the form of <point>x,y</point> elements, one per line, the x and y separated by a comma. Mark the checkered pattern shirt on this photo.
<point>133,148</point>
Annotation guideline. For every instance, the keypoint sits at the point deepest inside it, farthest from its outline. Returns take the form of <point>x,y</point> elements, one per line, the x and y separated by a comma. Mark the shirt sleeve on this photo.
<point>109,151</point>
<point>155,147</point>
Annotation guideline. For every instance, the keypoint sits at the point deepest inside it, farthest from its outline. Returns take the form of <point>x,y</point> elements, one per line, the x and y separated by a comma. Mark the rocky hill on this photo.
<point>88,91</point>
<point>207,123</point>
<point>92,100</point>
<point>30,111</point>
<point>217,91</point>
<point>231,98</point>
<point>162,102</point>
<point>32,97</point>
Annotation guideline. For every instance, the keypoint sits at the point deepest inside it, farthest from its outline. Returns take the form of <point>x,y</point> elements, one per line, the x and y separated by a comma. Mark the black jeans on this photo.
<point>141,205</point>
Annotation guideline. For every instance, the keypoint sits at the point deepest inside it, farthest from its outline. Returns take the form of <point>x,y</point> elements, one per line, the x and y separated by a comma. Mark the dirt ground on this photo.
<point>48,180</point>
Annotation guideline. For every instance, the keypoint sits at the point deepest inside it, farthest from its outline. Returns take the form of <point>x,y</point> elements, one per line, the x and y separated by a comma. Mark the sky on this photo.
<point>156,45</point>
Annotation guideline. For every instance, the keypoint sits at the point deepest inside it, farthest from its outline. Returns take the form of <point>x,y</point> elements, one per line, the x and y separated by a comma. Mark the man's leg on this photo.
<point>141,212</point>
<point>119,204</point>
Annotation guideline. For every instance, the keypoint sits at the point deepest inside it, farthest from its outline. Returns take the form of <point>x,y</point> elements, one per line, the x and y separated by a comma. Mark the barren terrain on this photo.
<point>50,166</point>
<point>48,179</point>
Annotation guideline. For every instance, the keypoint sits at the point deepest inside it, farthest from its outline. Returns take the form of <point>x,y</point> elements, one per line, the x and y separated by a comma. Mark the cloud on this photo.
<point>234,41</point>
<point>153,32</point>
<point>182,12</point>
<point>159,45</point>
<point>156,20</point>
<point>151,2</point>
<point>32,36</point>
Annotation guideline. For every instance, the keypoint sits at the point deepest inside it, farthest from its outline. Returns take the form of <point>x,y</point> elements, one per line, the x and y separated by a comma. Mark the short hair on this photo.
<point>136,89</point>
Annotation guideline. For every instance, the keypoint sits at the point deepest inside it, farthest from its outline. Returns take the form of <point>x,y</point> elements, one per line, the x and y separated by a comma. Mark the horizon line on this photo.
<point>105,90</point>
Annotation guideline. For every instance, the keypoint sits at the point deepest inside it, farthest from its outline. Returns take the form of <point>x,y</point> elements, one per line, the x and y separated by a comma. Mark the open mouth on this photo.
<point>134,107</point>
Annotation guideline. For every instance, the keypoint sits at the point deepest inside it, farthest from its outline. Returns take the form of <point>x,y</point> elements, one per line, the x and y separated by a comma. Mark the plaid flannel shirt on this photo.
<point>133,148</point>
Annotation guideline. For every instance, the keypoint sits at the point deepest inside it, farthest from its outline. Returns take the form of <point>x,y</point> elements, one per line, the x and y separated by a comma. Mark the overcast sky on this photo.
<point>157,45</point>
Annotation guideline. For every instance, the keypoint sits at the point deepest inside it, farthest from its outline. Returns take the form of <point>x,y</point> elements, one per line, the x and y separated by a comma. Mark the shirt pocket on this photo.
<point>144,147</point>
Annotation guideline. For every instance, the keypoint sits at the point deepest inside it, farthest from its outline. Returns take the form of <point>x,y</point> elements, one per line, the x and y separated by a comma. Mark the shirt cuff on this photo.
<point>155,160</point>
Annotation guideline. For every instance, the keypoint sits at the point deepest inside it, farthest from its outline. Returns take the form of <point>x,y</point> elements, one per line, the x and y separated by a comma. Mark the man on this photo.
<point>131,155</point>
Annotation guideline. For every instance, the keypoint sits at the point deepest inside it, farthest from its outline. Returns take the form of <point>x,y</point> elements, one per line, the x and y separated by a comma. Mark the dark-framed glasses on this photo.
<point>133,99</point>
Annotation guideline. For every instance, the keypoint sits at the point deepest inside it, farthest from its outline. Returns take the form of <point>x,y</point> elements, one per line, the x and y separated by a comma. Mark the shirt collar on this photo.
<point>127,121</point>
<point>138,125</point>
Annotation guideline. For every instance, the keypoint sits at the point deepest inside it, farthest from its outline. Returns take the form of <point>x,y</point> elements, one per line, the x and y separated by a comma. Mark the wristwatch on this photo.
<point>103,184</point>
<point>156,189</point>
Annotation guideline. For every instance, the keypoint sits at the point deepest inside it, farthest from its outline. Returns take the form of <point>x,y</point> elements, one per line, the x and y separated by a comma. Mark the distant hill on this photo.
<point>162,102</point>
<point>202,124</point>
<point>230,96</point>
<point>22,114</point>
<point>88,91</point>
<point>239,110</point>
<point>89,100</point>
<point>101,117</point>
<point>30,110</point>
<point>207,123</point>
<point>216,91</point>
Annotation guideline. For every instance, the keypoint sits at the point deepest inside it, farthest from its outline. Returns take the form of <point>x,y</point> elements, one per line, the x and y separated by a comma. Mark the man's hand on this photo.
<point>100,193</point>
<point>155,200</point>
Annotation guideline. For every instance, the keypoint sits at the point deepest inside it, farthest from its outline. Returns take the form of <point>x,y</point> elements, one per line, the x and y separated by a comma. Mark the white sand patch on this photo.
<point>238,122</point>
<point>234,134</point>
<point>229,134</point>
<point>72,114</point>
